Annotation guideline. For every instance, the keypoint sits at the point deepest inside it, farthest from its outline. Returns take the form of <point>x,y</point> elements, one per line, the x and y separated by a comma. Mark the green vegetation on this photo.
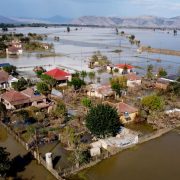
<point>152,103</point>
<point>103,120</point>
<point>48,80</point>
<point>92,75</point>
<point>77,83</point>
<point>60,109</point>
<point>10,69</point>
<point>21,84</point>
<point>162,72</point>
<point>121,80</point>
<point>149,72</point>
<point>42,88</point>
<point>86,102</point>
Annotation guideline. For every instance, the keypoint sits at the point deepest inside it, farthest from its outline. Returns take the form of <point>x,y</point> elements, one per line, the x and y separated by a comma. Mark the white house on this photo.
<point>133,80</point>
<point>100,91</point>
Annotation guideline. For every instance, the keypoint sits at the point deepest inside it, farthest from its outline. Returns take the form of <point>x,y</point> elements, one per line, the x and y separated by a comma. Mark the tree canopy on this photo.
<point>152,103</point>
<point>103,120</point>
<point>42,88</point>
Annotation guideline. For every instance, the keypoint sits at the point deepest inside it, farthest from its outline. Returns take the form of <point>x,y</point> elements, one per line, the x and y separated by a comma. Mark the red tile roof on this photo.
<point>15,98</point>
<point>29,92</point>
<point>3,76</point>
<point>123,66</point>
<point>58,74</point>
<point>132,77</point>
<point>122,108</point>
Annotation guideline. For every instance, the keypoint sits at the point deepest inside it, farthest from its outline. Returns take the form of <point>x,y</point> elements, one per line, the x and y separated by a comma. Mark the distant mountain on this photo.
<point>142,21</point>
<point>59,19</point>
<point>6,20</point>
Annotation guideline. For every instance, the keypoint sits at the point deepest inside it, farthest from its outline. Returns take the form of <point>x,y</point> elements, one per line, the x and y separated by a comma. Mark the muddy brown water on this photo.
<point>158,159</point>
<point>26,168</point>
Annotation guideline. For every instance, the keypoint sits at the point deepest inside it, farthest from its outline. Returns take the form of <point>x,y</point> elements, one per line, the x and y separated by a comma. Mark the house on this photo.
<point>6,80</point>
<point>35,98</point>
<point>100,91</point>
<point>62,77</point>
<point>126,112</point>
<point>3,79</point>
<point>124,139</point>
<point>14,100</point>
<point>121,68</point>
<point>11,50</point>
<point>133,80</point>
<point>45,46</point>
<point>163,83</point>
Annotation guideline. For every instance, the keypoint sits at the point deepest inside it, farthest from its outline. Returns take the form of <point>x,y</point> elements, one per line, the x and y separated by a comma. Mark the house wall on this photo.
<point>132,116</point>
<point>133,83</point>
<point>94,94</point>
<point>161,86</point>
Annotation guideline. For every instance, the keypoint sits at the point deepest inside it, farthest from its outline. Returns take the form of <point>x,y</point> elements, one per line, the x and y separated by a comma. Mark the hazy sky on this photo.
<point>76,8</point>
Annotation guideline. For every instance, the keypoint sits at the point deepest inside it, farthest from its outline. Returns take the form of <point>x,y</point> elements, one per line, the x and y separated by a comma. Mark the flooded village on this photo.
<point>77,99</point>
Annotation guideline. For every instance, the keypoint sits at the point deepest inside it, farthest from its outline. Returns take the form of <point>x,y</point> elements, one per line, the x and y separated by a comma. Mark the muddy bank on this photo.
<point>159,51</point>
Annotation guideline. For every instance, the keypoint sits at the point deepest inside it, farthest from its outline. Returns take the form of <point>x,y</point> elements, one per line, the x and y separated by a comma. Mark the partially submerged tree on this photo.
<point>162,72</point>
<point>149,73</point>
<point>103,121</point>
<point>92,75</point>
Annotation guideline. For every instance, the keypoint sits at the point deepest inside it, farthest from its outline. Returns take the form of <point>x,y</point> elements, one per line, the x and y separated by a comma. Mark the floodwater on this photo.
<point>158,159</point>
<point>78,46</point>
<point>25,167</point>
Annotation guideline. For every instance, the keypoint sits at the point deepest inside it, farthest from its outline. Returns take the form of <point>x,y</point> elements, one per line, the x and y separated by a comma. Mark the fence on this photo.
<point>34,153</point>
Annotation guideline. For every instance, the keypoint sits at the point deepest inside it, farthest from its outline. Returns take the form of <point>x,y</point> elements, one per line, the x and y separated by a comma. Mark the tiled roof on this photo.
<point>132,77</point>
<point>14,97</point>
<point>123,66</point>
<point>3,76</point>
<point>30,93</point>
<point>58,74</point>
<point>122,108</point>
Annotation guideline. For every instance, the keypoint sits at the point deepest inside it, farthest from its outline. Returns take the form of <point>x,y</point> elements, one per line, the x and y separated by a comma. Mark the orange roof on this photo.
<point>15,97</point>
<point>132,77</point>
<point>123,66</point>
<point>58,74</point>
<point>122,108</point>
<point>3,76</point>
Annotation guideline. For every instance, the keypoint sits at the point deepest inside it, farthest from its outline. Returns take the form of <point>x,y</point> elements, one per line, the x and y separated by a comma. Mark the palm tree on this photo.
<point>92,75</point>
<point>83,74</point>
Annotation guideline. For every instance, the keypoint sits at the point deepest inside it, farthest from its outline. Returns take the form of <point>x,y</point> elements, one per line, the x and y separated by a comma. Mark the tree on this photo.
<point>48,80</point>
<point>10,69</point>
<point>2,110</point>
<point>162,72</point>
<point>68,29</point>
<point>42,87</point>
<point>116,87</point>
<point>103,120</point>
<point>152,103</point>
<point>83,74</point>
<point>121,80</point>
<point>92,75</point>
<point>86,102</point>
<point>60,109</point>
<point>5,163</point>
<point>149,73</point>
<point>20,85</point>
<point>77,83</point>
